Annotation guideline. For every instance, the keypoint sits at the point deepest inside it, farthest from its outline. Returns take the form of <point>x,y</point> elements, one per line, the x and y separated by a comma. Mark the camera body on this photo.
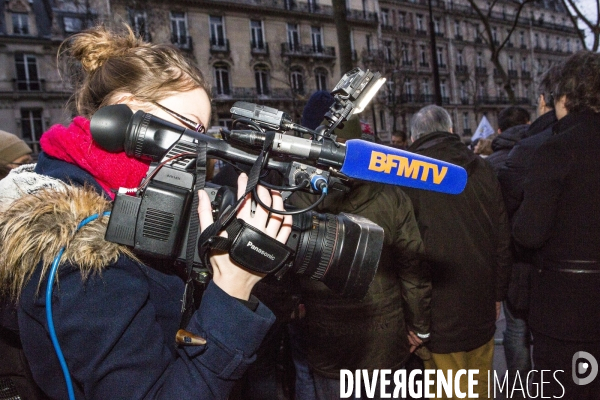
<point>340,250</point>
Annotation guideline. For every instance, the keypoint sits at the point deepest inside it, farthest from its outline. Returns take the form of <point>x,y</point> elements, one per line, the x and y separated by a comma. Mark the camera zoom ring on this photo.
<point>328,245</point>
<point>310,246</point>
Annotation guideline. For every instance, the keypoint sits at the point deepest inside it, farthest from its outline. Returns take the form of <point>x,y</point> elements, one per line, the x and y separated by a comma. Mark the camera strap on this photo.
<point>210,237</point>
<point>187,304</point>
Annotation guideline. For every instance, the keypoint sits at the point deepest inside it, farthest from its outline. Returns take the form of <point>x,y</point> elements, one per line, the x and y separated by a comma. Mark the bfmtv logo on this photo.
<point>584,367</point>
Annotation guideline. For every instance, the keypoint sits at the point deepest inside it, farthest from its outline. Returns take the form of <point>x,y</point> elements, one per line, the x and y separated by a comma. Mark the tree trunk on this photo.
<point>343,34</point>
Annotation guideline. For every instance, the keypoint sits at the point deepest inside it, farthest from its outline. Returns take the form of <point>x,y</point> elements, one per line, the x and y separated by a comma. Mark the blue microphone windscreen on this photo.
<point>378,163</point>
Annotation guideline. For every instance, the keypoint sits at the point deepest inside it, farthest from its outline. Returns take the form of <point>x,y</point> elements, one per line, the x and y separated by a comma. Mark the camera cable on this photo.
<point>49,287</point>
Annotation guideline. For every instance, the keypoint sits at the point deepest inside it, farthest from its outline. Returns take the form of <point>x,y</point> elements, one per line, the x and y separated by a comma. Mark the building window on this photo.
<point>257,35</point>
<point>316,33</point>
<point>569,45</point>
<point>482,89</point>
<point>511,63</point>
<point>32,127</point>
<point>312,5</point>
<point>382,120</point>
<point>321,78</point>
<point>463,90</point>
<point>20,23</point>
<point>221,73</point>
<point>425,88</point>
<point>408,89</point>
<point>179,29</point>
<point>537,40</point>
<point>479,60</point>
<point>457,29</point>
<point>388,51</point>
<point>524,64</point>
<point>138,23</point>
<point>437,25</point>
<point>385,17</point>
<point>297,81</point>
<point>443,91</point>
<point>466,122</point>
<point>369,39</point>
<point>459,58</point>
<point>420,23</point>
<point>522,38</point>
<point>72,25</point>
<point>27,72</point>
<point>261,75</point>
<point>404,53</point>
<point>440,56</point>
<point>391,89</point>
<point>558,44</point>
<point>217,31</point>
<point>293,36</point>
<point>402,20</point>
<point>423,55</point>
<point>495,34</point>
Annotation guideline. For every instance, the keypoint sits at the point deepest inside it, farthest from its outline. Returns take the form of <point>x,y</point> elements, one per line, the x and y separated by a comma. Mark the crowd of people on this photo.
<point>522,237</point>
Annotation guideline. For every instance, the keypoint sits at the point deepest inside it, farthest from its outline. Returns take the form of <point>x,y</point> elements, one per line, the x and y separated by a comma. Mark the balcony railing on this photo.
<point>219,45</point>
<point>307,50</point>
<point>240,93</point>
<point>38,85</point>
<point>404,29</point>
<point>259,48</point>
<point>183,42</point>
<point>525,74</point>
<point>512,73</point>
<point>421,32</point>
<point>462,69</point>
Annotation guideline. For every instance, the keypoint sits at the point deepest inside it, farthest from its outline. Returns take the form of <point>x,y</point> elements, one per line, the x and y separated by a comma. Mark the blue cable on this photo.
<point>51,330</point>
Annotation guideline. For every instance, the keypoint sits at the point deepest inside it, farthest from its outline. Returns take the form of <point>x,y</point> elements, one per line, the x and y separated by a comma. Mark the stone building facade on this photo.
<point>278,52</point>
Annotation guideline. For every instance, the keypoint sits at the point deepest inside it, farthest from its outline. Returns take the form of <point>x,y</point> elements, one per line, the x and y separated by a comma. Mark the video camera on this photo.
<point>341,250</point>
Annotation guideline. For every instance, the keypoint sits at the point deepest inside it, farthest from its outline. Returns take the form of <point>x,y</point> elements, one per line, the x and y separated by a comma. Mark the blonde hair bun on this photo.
<point>95,46</point>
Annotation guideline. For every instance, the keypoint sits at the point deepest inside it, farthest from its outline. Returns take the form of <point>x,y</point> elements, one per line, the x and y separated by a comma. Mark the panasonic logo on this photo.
<point>260,251</point>
<point>414,169</point>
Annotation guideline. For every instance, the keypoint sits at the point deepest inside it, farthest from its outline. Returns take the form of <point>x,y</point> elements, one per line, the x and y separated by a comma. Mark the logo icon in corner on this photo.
<point>584,364</point>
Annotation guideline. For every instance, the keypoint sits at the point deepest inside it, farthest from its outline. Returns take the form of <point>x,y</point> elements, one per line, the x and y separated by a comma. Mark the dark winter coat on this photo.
<point>116,327</point>
<point>503,144</point>
<point>560,219</point>
<point>467,241</point>
<point>512,175</point>
<point>370,333</point>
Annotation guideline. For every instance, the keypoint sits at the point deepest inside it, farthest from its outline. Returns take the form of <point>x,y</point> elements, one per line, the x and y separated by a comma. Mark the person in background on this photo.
<point>14,152</point>
<point>483,147</point>
<point>559,219</point>
<point>513,124</point>
<point>371,333</point>
<point>116,316</point>
<point>517,336</point>
<point>399,140</point>
<point>467,241</point>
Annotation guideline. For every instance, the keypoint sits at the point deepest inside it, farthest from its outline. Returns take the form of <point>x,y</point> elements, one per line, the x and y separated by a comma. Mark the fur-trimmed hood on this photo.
<point>39,216</point>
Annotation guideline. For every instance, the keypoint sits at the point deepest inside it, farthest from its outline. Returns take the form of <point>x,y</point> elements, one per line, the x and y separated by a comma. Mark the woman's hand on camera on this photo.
<point>228,275</point>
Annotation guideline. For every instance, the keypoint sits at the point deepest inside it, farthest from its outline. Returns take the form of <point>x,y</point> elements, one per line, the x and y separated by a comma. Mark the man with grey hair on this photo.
<point>467,241</point>
<point>430,119</point>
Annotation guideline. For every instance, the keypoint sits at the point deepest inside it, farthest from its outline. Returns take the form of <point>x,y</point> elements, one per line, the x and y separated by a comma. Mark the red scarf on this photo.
<point>74,144</point>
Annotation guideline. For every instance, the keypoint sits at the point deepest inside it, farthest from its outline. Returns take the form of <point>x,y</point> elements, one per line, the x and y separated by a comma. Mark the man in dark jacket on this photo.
<point>560,219</point>
<point>512,177</point>
<point>371,333</point>
<point>513,123</point>
<point>467,248</point>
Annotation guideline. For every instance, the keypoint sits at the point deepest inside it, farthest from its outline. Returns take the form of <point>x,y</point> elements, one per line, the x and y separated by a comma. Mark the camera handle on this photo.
<point>204,242</point>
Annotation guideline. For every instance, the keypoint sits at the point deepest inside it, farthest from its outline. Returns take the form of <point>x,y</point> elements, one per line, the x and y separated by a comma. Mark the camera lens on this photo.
<point>342,250</point>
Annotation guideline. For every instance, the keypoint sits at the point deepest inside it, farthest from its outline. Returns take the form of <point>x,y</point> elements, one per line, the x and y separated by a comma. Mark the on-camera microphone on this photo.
<point>378,163</point>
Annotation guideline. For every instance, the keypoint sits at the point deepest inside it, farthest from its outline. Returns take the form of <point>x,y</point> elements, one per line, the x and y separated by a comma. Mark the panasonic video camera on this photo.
<point>340,250</point>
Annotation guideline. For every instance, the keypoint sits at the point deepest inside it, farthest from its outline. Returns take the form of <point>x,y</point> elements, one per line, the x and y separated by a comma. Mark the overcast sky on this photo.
<point>588,8</point>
